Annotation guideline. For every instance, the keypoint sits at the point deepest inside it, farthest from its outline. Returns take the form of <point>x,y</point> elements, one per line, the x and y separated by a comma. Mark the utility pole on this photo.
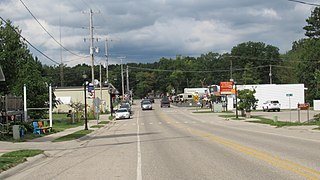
<point>122,78</point>
<point>91,47</point>
<point>270,75</point>
<point>92,50</point>
<point>100,87</point>
<point>128,80</point>
<point>107,61</point>
<point>230,69</point>
<point>61,64</point>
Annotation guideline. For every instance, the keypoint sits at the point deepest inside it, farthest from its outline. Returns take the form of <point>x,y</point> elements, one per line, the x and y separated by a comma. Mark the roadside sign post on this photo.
<point>289,95</point>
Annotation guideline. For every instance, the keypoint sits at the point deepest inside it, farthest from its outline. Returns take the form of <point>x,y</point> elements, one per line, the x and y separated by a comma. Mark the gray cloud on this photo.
<point>144,31</point>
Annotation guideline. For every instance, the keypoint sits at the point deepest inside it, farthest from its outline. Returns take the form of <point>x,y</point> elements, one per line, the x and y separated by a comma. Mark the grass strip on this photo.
<point>231,116</point>
<point>97,126</point>
<point>271,122</point>
<point>103,122</point>
<point>73,136</point>
<point>14,158</point>
<point>203,111</point>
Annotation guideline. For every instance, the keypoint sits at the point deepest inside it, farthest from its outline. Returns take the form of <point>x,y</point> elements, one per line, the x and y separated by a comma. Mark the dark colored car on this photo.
<point>151,99</point>
<point>165,102</point>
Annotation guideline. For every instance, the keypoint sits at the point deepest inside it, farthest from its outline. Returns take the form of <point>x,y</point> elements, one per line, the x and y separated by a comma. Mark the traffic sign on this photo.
<point>196,98</point>
<point>290,94</point>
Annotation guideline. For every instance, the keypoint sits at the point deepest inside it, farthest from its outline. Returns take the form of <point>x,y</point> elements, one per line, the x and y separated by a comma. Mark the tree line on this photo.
<point>246,63</point>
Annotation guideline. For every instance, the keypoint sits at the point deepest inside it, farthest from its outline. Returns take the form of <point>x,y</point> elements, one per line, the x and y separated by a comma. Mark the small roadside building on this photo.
<point>100,99</point>
<point>288,95</point>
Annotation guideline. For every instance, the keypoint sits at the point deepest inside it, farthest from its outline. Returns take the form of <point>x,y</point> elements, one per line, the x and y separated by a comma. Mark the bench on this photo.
<point>39,128</point>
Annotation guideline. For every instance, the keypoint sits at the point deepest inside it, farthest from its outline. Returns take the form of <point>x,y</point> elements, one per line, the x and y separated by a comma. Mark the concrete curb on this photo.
<point>14,170</point>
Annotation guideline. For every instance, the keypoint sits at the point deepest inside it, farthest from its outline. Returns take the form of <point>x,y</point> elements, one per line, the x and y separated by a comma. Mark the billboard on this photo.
<point>226,87</point>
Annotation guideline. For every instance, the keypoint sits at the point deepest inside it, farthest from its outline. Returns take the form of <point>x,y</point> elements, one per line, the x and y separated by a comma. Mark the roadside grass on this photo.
<point>209,111</point>
<point>231,116</point>
<point>263,120</point>
<point>73,136</point>
<point>97,126</point>
<point>202,111</point>
<point>14,158</point>
<point>103,122</point>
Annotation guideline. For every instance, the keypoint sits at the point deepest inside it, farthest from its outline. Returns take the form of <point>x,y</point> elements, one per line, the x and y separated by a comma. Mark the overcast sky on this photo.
<point>146,30</point>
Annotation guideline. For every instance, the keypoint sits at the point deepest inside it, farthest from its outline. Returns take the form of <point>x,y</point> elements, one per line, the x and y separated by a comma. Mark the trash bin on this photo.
<point>16,131</point>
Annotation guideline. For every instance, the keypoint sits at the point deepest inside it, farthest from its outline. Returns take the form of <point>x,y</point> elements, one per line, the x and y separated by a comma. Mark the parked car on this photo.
<point>271,105</point>
<point>122,113</point>
<point>165,102</point>
<point>146,105</point>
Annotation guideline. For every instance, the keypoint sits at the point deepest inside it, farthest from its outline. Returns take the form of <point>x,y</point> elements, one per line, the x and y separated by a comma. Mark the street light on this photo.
<point>85,101</point>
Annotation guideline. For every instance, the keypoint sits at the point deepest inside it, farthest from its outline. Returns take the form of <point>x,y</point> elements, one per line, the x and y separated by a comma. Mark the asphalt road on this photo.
<point>174,143</point>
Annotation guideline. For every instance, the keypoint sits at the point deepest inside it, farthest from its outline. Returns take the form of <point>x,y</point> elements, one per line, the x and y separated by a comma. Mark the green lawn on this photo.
<point>60,122</point>
<point>97,126</point>
<point>282,123</point>
<point>14,158</point>
<point>103,122</point>
<point>73,136</point>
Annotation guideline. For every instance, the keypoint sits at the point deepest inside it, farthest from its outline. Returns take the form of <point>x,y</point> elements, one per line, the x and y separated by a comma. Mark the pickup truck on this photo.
<point>165,102</point>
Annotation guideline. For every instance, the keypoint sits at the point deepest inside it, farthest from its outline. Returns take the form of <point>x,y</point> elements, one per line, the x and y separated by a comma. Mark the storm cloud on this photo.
<point>145,31</point>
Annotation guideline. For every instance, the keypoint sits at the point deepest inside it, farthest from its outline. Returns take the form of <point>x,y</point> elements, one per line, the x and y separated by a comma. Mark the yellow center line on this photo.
<point>301,170</point>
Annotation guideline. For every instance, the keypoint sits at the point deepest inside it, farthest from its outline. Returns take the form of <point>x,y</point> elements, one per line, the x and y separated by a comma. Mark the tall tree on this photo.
<point>13,51</point>
<point>249,75</point>
<point>257,53</point>
<point>313,26</point>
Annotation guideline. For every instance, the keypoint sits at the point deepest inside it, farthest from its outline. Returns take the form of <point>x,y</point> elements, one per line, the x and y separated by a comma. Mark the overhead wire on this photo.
<point>303,2</point>
<point>29,42</point>
<point>48,31</point>
<point>223,70</point>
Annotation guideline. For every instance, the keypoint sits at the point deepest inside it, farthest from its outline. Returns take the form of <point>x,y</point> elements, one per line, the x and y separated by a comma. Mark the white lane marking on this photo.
<point>150,123</point>
<point>139,173</point>
<point>160,123</point>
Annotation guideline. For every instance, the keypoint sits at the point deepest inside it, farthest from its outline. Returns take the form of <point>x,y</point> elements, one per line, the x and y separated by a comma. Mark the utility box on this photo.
<point>16,131</point>
<point>217,107</point>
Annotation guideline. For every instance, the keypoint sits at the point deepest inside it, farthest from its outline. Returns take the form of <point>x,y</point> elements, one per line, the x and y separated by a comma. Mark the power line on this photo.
<point>29,42</point>
<point>223,70</point>
<point>303,2</point>
<point>48,31</point>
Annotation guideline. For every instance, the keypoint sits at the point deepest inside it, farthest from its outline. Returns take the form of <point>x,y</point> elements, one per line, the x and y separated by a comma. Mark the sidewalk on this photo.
<point>43,141</point>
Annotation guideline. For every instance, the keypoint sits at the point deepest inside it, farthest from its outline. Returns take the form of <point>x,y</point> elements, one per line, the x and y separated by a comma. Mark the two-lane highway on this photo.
<point>174,143</point>
<point>197,146</point>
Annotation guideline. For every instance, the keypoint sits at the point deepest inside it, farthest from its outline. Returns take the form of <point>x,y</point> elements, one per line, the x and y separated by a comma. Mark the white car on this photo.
<point>146,105</point>
<point>122,113</point>
<point>271,106</point>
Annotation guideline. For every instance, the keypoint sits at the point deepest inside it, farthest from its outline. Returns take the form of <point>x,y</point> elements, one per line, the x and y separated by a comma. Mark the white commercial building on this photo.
<point>289,95</point>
